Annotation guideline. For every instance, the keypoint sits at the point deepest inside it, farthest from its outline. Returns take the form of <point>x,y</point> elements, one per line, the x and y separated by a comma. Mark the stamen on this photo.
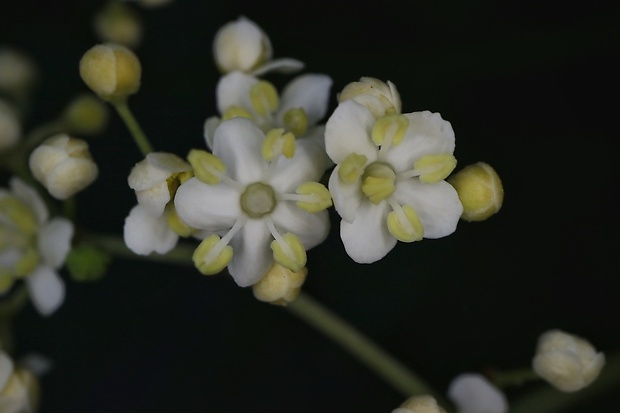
<point>296,121</point>
<point>288,250</point>
<point>264,98</point>
<point>19,215</point>
<point>213,254</point>
<point>277,143</point>
<point>435,168</point>
<point>352,168</point>
<point>389,130</point>
<point>378,182</point>
<point>404,223</point>
<point>208,168</point>
<point>313,197</point>
<point>176,224</point>
<point>236,112</point>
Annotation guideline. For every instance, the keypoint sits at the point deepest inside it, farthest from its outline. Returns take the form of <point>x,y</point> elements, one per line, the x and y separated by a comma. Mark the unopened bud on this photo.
<point>480,191</point>
<point>241,45</point>
<point>118,23</point>
<point>279,286</point>
<point>86,115</point>
<point>63,165</point>
<point>420,404</point>
<point>18,73</point>
<point>378,97</point>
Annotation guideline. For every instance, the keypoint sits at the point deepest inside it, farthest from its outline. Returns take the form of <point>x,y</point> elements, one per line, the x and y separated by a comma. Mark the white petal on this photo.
<point>312,229</point>
<point>316,134</point>
<point>238,142</point>
<point>70,177</point>
<point>155,198</point>
<point>437,205</point>
<point>6,368</point>
<point>240,44</point>
<point>209,130</point>
<point>309,92</point>
<point>346,197</point>
<point>145,233</point>
<point>233,89</point>
<point>367,238</point>
<point>472,393</point>
<point>168,162</point>
<point>308,164</point>
<point>54,241</point>
<point>30,197</point>
<point>348,130</point>
<point>46,288</point>
<point>427,134</point>
<point>283,65</point>
<point>208,207</point>
<point>252,255</point>
<point>155,169</point>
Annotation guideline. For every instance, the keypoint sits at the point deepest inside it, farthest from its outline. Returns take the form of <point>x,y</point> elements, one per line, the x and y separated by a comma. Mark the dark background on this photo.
<point>529,87</point>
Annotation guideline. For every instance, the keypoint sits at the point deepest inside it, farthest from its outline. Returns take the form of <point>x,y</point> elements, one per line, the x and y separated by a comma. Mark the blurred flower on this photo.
<point>388,184</point>
<point>280,285</point>
<point>480,191</point>
<point>256,192</point>
<point>18,73</point>
<point>378,97</point>
<point>63,165</point>
<point>419,404</point>
<point>32,246</point>
<point>152,3</point>
<point>118,23</point>
<point>85,115</point>
<point>567,362</point>
<point>19,387</point>
<point>152,225</point>
<point>10,126</point>
<point>111,70</point>
<point>242,45</point>
<point>472,393</point>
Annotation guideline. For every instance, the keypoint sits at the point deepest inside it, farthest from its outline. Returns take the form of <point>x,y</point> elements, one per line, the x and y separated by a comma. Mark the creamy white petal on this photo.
<point>6,368</point>
<point>145,233</point>
<point>54,241</point>
<point>240,45</point>
<point>209,129</point>
<point>168,161</point>
<point>154,199</point>
<point>154,169</point>
<point>472,393</point>
<point>238,142</point>
<point>233,89</point>
<point>309,92</point>
<point>367,239</point>
<point>283,65</point>
<point>207,207</point>
<point>308,164</point>
<point>312,229</point>
<point>346,197</point>
<point>437,205</point>
<point>30,197</point>
<point>252,253</point>
<point>348,130</point>
<point>427,134</point>
<point>46,289</point>
<point>316,134</point>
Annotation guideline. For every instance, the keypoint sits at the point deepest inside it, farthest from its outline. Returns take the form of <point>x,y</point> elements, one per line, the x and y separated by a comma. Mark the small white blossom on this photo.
<point>378,97</point>
<point>473,393</point>
<point>389,184</point>
<point>260,195</point>
<point>33,247</point>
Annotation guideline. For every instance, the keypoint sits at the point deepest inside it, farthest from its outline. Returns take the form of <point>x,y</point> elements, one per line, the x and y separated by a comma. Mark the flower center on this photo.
<point>378,182</point>
<point>258,200</point>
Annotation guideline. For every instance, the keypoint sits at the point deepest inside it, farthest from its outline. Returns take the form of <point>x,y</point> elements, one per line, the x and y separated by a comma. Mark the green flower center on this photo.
<point>258,200</point>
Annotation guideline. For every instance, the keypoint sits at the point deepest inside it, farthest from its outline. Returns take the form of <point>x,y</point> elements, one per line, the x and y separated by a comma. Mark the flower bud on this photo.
<point>378,97</point>
<point>63,165</point>
<point>241,45</point>
<point>480,191</point>
<point>86,115</point>
<point>19,387</point>
<point>10,126</point>
<point>118,23</point>
<point>18,73</point>
<point>279,285</point>
<point>153,3</point>
<point>567,362</point>
<point>111,70</point>
<point>419,404</point>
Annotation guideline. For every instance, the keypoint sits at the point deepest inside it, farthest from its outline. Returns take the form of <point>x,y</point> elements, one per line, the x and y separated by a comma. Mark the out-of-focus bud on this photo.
<point>19,387</point>
<point>472,392</point>
<point>241,45</point>
<point>480,191</point>
<point>279,285</point>
<point>378,97</point>
<point>567,362</point>
<point>18,73</point>
<point>111,70</point>
<point>419,404</point>
<point>153,3</point>
<point>63,165</point>
<point>119,23</point>
<point>10,126</point>
<point>86,115</point>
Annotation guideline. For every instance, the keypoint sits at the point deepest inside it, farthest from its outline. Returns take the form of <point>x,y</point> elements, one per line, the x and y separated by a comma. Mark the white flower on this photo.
<point>472,393</point>
<point>419,404</point>
<point>388,184</point>
<point>257,189</point>
<point>63,165</point>
<point>10,126</point>
<point>243,45</point>
<point>19,387</point>
<point>300,107</point>
<point>32,246</point>
<point>151,224</point>
<point>567,362</point>
<point>377,96</point>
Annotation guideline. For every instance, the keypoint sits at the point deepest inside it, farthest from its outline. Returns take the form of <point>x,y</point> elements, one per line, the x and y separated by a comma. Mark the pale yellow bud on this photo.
<point>280,285</point>
<point>419,404</point>
<point>567,362</point>
<point>118,23</point>
<point>63,165</point>
<point>10,126</point>
<point>86,115</point>
<point>241,45</point>
<point>154,3</point>
<point>111,70</point>
<point>480,191</point>
<point>18,73</point>
<point>378,97</point>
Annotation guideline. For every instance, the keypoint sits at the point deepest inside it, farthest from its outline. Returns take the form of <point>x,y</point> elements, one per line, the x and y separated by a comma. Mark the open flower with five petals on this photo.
<point>258,197</point>
<point>389,184</point>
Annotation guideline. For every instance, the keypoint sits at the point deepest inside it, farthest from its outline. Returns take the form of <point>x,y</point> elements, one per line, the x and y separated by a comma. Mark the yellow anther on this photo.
<point>20,215</point>
<point>210,257</point>
<point>175,180</point>
<point>289,252</point>
<point>435,168</point>
<point>316,199</point>
<point>296,121</point>
<point>207,167</point>
<point>405,225</point>
<point>352,168</point>
<point>276,143</point>
<point>378,182</point>
<point>264,98</point>
<point>236,112</point>
<point>390,130</point>
<point>27,262</point>
<point>176,224</point>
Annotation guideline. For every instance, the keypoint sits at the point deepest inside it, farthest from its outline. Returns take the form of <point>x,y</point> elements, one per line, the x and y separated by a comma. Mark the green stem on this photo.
<point>135,130</point>
<point>517,377</point>
<point>383,364</point>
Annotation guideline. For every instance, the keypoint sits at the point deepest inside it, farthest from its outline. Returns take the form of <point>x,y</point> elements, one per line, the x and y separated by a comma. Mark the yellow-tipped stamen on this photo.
<point>313,197</point>
<point>236,112</point>
<point>404,223</point>
<point>276,143</point>
<point>287,249</point>
<point>207,167</point>
<point>296,121</point>
<point>19,214</point>
<point>389,130</point>
<point>176,224</point>
<point>352,168</point>
<point>434,168</point>
<point>379,182</point>
<point>264,98</point>
<point>213,254</point>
